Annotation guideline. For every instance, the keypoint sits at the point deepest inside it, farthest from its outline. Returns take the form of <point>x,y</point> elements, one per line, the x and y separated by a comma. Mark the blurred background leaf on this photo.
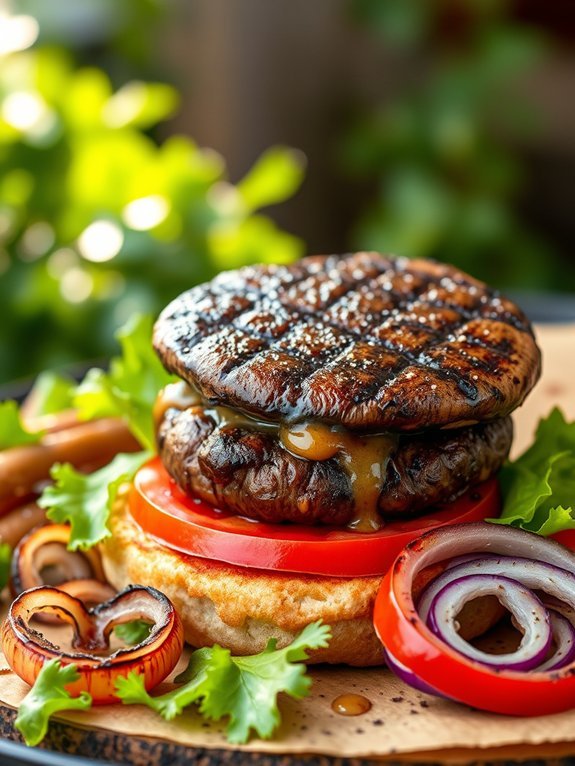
<point>442,155</point>
<point>98,219</point>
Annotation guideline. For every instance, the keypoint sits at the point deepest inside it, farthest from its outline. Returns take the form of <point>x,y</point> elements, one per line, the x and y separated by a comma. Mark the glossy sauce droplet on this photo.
<point>312,441</point>
<point>351,704</point>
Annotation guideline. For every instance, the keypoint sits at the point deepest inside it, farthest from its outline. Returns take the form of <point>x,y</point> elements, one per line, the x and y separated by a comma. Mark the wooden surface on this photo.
<point>403,725</point>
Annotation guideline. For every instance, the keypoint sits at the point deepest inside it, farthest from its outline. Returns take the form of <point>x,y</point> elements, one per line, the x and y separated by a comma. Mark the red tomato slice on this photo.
<point>191,526</point>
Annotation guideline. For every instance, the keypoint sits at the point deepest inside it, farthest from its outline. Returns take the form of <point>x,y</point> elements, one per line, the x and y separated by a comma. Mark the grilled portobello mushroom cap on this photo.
<point>367,341</point>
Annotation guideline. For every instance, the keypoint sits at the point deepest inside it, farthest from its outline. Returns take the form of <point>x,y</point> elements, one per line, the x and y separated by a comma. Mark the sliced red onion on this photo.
<point>462,560</point>
<point>557,582</point>
<point>486,540</point>
<point>408,677</point>
<point>559,606</point>
<point>564,640</point>
<point>535,575</point>
<point>528,611</point>
<point>542,565</point>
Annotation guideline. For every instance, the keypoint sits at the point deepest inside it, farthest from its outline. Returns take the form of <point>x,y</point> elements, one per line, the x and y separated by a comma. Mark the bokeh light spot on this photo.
<point>36,241</point>
<point>145,213</point>
<point>76,285</point>
<point>23,111</point>
<point>17,33</point>
<point>101,241</point>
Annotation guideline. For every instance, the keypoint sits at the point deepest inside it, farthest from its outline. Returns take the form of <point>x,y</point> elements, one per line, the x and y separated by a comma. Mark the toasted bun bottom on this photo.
<point>242,608</point>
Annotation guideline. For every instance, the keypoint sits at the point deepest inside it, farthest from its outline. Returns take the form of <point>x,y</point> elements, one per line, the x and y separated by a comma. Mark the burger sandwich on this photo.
<point>325,414</point>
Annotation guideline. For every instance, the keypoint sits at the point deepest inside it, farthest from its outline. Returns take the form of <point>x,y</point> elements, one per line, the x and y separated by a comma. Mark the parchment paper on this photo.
<point>402,723</point>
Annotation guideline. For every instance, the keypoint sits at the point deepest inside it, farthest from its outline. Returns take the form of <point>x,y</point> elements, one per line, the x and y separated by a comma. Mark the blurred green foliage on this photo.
<point>98,221</point>
<point>443,153</point>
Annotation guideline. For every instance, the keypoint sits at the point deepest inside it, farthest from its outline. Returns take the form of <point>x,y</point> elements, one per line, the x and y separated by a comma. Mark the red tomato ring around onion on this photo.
<point>191,526</point>
<point>26,650</point>
<point>426,661</point>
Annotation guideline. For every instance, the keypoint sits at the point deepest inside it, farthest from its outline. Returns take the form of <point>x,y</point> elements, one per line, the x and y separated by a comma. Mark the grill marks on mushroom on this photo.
<point>367,341</point>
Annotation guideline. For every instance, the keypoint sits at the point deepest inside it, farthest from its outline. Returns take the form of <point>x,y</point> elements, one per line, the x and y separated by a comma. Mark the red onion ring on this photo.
<point>556,582</point>
<point>534,574</point>
<point>564,639</point>
<point>406,675</point>
<point>540,564</point>
<point>528,611</point>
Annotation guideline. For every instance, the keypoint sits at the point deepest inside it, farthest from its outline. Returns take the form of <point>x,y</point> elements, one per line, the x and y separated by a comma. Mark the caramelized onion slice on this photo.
<point>45,549</point>
<point>26,649</point>
<point>90,592</point>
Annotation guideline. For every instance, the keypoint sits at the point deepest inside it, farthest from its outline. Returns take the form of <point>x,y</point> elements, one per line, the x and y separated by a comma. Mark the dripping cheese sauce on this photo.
<point>363,458</point>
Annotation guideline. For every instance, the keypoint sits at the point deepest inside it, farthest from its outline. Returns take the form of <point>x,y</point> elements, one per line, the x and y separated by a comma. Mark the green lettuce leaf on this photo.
<point>131,689</point>
<point>12,432</point>
<point>128,390</point>
<point>244,689</point>
<point>133,632</point>
<point>48,696</point>
<point>52,393</point>
<point>130,387</point>
<point>275,177</point>
<point>85,500</point>
<point>539,486</point>
<point>5,561</point>
<point>558,520</point>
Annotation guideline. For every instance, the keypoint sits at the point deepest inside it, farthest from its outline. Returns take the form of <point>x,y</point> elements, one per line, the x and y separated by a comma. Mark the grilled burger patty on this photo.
<point>248,471</point>
<point>367,341</point>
